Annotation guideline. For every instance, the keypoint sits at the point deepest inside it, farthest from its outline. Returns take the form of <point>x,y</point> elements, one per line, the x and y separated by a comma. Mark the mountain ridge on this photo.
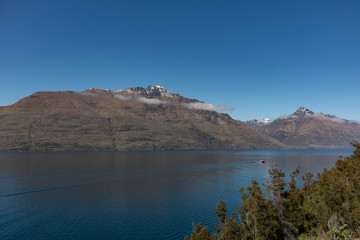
<point>306,129</point>
<point>105,120</point>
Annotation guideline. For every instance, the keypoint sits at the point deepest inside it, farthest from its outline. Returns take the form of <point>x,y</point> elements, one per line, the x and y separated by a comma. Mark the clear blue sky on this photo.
<point>263,58</point>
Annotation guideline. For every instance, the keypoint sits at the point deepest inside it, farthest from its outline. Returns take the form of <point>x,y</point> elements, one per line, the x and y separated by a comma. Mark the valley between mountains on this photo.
<point>153,119</point>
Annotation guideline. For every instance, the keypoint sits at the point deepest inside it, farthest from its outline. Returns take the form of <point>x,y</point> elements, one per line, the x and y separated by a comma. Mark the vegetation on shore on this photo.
<point>327,207</point>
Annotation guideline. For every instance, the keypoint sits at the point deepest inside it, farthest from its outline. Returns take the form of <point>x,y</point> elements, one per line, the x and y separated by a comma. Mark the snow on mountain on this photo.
<point>265,121</point>
<point>152,90</point>
<point>300,113</point>
<point>154,94</point>
<point>258,123</point>
<point>306,129</point>
<point>305,112</point>
<point>104,120</point>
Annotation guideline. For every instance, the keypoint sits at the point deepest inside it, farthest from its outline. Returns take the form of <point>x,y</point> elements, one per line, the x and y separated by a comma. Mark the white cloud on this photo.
<point>122,97</point>
<point>338,120</point>
<point>87,93</point>
<point>287,116</point>
<point>334,119</point>
<point>194,105</point>
<point>150,100</point>
<point>206,106</point>
<point>140,99</point>
<point>354,121</point>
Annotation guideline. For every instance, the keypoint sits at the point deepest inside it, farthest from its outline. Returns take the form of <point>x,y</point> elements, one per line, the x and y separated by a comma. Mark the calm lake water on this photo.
<point>132,195</point>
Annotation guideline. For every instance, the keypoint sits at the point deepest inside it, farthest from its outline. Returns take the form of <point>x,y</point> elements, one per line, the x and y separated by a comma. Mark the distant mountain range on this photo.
<point>306,129</point>
<point>153,118</point>
<point>137,118</point>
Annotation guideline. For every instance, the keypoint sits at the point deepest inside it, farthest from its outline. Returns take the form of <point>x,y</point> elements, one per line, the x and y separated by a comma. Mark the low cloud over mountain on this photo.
<point>133,119</point>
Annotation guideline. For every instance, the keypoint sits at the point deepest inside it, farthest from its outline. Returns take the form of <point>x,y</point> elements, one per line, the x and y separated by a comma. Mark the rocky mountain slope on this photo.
<point>307,129</point>
<point>133,119</point>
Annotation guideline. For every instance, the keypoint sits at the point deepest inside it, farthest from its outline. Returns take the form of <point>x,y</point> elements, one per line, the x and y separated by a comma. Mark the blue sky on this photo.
<point>263,58</point>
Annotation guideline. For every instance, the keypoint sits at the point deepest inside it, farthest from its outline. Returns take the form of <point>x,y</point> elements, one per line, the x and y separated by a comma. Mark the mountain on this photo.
<point>137,118</point>
<point>306,129</point>
<point>256,124</point>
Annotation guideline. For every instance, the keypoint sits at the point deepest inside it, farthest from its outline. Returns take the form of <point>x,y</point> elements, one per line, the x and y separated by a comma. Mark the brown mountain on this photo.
<point>133,119</point>
<point>307,129</point>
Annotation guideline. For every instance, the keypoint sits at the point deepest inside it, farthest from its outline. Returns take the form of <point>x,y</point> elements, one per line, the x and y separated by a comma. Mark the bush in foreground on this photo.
<point>327,207</point>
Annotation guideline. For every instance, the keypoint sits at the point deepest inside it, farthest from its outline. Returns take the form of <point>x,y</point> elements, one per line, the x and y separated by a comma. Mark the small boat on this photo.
<point>261,161</point>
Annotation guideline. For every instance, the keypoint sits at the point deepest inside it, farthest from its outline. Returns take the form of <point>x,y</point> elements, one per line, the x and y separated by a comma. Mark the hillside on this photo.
<point>133,119</point>
<point>307,129</point>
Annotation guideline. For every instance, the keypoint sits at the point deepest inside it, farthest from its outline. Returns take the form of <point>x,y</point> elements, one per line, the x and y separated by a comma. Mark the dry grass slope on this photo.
<point>72,121</point>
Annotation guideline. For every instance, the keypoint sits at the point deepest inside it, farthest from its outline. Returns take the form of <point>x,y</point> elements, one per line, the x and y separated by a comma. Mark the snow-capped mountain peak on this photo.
<point>258,123</point>
<point>305,112</point>
<point>152,90</point>
<point>265,121</point>
<point>301,111</point>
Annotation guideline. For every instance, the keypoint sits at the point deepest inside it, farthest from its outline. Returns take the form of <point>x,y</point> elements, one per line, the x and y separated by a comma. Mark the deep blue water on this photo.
<point>132,195</point>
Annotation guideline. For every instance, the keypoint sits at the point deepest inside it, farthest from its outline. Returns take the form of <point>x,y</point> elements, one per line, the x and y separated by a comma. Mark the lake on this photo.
<point>132,195</point>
